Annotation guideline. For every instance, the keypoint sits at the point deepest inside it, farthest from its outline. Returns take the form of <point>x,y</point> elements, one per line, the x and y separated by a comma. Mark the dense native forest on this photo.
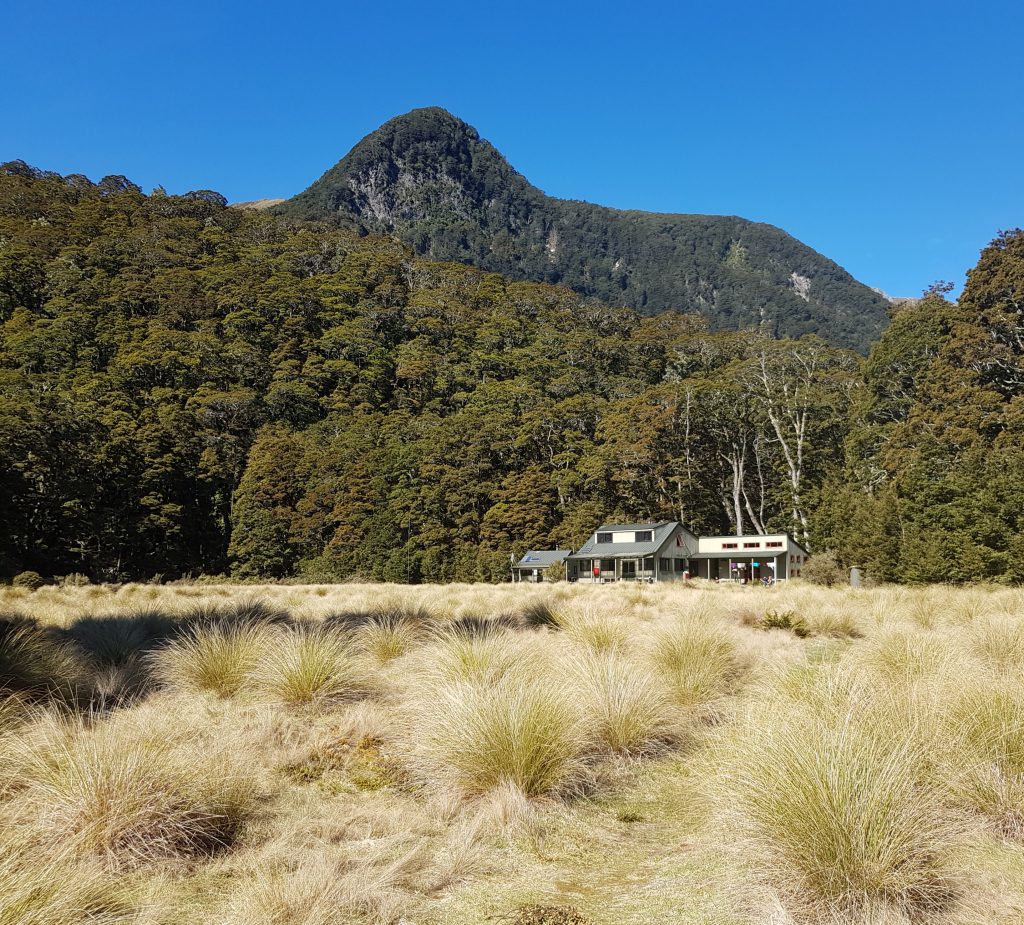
<point>430,180</point>
<point>187,388</point>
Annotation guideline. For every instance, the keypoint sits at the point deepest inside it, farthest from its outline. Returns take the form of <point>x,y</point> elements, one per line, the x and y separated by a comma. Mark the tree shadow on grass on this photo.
<point>118,648</point>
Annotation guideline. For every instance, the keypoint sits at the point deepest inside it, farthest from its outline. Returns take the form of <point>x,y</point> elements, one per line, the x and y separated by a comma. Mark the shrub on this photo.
<point>784,620</point>
<point>699,662</point>
<point>476,738</point>
<point>75,580</point>
<point>310,666</point>
<point>555,572</point>
<point>217,658</point>
<point>823,568</point>
<point>625,707</point>
<point>33,581</point>
<point>838,811</point>
<point>128,795</point>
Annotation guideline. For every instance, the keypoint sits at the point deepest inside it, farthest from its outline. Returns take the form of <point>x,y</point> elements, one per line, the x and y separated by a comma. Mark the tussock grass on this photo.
<point>316,889</point>
<point>538,613</point>
<point>129,795</point>
<point>480,658</point>
<point>596,630</point>
<point>390,629</point>
<point>118,640</point>
<point>998,642</point>
<point>35,663</point>
<point>869,773</point>
<point>904,656</point>
<point>475,738</point>
<point>985,767</point>
<point>699,662</point>
<point>385,641</point>
<point>52,889</point>
<point>838,812</point>
<point>217,658</point>
<point>626,708</point>
<point>310,666</point>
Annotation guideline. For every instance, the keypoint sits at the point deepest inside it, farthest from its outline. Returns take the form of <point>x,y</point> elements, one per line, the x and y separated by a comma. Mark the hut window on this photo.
<point>644,536</point>
<point>604,537</point>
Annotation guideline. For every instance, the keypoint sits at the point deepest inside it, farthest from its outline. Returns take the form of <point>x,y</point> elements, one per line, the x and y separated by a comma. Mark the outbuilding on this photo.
<point>533,565</point>
<point>765,558</point>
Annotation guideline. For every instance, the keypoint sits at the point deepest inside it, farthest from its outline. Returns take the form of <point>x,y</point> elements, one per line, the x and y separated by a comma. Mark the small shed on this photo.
<point>534,563</point>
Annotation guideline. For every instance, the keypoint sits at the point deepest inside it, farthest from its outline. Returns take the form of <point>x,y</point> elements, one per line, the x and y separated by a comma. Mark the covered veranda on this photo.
<point>726,567</point>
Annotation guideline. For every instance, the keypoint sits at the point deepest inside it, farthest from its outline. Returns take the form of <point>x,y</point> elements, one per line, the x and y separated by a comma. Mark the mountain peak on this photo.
<point>428,178</point>
<point>428,120</point>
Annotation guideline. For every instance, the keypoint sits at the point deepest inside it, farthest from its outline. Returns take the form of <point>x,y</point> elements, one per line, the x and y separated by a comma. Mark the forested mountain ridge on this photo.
<point>428,178</point>
<point>187,388</point>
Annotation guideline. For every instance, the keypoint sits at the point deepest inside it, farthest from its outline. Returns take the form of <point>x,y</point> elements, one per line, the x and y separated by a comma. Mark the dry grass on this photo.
<point>127,793</point>
<point>55,889</point>
<point>698,661</point>
<point>628,711</point>
<point>310,666</point>
<point>617,755</point>
<point>478,737</point>
<point>217,658</point>
<point>837,811</point>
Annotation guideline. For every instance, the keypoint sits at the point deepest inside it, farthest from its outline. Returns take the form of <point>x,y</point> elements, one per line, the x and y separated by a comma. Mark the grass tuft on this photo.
<point>53,890</point>
<point>310,666</point>
<point>837,810</point>
<point>699,662</point>
<point>128,796</point>
<point>216,658</point>
<point>479,737</point>
<point>34,663</point>
<point>986,774</point>
<point>628,711</point>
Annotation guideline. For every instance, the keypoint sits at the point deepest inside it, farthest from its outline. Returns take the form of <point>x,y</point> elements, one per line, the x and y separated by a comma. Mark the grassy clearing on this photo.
<point>611,755</point>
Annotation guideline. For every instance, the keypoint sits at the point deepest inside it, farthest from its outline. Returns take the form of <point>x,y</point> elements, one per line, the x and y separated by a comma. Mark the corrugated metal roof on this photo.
<point>591,549</point>
<point>542,558</point>
<point>616,528</point>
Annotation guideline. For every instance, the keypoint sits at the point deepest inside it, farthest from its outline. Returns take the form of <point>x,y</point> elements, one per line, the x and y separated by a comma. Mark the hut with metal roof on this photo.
<point>658,551</point>
<point>534,564</point>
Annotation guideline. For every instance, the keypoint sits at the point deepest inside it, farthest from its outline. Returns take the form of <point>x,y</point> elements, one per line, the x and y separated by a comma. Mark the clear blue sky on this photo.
<point>888,135</point>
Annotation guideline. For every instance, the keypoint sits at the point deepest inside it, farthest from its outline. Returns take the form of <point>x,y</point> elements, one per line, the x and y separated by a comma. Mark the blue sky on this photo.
<point>886,135</point>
